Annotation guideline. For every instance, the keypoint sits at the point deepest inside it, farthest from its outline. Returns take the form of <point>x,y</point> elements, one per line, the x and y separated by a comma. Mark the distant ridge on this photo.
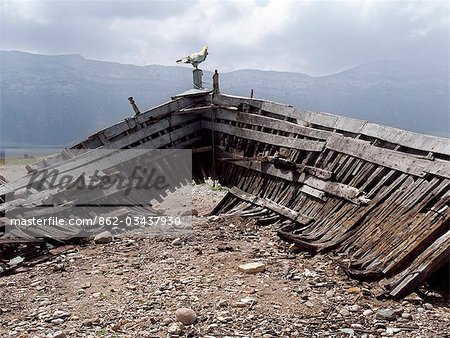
<point>55,100</point>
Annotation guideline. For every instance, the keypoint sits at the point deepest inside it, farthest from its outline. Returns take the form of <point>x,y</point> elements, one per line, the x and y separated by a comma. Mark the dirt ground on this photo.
<point>131,287</point>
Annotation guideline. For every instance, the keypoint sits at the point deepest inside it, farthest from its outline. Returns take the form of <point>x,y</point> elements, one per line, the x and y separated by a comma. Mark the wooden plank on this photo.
<point>269,122</point>
<point>307,145</point>
<point>408,139</point>
<point>385,157</point>
<point>266,203</point>
<point>423,266</point>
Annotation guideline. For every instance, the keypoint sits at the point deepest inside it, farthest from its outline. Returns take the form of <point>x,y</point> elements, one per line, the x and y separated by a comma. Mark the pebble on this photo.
<point>386,314</point>
<point>354,308</point>
<point>175,328</point>
<point>406,315</point>
<point>186,316</point>
<point>329,293</point>
<point>59,334</point>
<point>103,237</point>
<point>428,306</point>
<point>353,290</point>
<point>344,312</point>
<point>253,267</point>
<point>367,312</point>
<point>413,297</point>
<point>176,241</point>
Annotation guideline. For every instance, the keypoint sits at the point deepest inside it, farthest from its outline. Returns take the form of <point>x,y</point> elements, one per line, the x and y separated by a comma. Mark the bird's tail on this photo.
<point>183,60</point>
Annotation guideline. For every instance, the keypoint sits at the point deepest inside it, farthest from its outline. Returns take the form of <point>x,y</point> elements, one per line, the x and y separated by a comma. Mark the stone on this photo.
<point>354,308</point>
<point>428,306</point>
<point>244,302</point>
<point>103,237</point>
<point>59,334</point>
<point>186,316</point>
<point>175,328</point>
<point>386,314</point>
<point>367,312</point>
<point>329,293</point>
<point>406,315</point>
<point>393,330</point>
<point>344,312</point>
<point>253,267</point>
<point>413,297</point>
<point>353,290</point>
<point>176,241</point>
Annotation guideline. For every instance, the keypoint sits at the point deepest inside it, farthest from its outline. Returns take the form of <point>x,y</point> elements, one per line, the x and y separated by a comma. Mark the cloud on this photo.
<point>314,37</point>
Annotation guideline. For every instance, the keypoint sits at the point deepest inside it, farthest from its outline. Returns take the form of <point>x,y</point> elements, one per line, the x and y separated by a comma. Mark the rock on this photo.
<point>354,308</point>
<point>309,304</point>
<point>253,267</point>
<point>386,314</point>
<point>351,332</point>
<point>344,312</point>
<point>248,300</point>
<point>413,297</point>
<point>224,319</point>
<point>103,237</point>
<point>309,273</point>
<point>61,314</point>
<point>194,212</point>
<point>59,334</point>
<point>175,328</point>
<point>329,293</point>
<point>176,241</point>
<point>393,330</point>
<point>428,306</point>
<point>367,313</point>
<point>406,315</point>
<point>186,316</point>
<point>353,290</point>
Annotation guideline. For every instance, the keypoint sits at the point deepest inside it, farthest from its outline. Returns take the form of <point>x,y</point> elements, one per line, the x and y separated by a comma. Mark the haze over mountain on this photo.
<point>57,100</point>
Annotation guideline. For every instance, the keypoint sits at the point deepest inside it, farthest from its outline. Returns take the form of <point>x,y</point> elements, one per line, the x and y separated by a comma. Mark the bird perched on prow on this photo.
<point>195,58</point>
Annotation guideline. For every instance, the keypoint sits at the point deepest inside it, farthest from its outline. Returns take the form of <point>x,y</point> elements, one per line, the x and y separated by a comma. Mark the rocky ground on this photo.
<point>132,287</point>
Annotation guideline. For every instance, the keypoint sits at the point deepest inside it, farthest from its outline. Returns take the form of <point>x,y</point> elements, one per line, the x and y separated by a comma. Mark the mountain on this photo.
<point>57,100</point>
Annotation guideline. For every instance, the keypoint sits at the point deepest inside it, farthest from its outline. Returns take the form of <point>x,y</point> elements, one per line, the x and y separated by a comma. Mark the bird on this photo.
<point>195,58</point>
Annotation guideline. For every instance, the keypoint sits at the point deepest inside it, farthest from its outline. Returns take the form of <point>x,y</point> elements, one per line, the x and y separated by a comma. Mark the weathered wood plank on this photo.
<point>307,145</point>
<point>269,122</point>
<point>428,261</point>
<point>387,158</point>
<point>266,203</point>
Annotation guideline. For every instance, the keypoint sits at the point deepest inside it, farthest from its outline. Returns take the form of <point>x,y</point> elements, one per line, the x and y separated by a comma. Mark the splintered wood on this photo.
<point>375,194</point>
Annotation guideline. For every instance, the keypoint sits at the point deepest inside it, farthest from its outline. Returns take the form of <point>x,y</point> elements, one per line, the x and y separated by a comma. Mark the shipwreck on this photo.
<point>376,195</point>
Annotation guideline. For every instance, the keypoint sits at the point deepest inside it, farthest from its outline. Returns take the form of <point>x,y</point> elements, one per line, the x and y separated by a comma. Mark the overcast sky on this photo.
<point>312,37</point>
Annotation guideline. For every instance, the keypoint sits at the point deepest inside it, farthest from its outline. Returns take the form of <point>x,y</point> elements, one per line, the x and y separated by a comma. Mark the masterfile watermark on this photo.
<point>80,193</point>
<point>141,178</point>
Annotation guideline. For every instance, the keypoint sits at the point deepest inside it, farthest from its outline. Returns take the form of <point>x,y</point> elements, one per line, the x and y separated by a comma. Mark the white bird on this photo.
<point>195,58</point>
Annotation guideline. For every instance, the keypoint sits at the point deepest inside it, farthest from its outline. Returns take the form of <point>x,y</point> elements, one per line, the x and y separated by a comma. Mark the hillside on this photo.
<point>56,100</point>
